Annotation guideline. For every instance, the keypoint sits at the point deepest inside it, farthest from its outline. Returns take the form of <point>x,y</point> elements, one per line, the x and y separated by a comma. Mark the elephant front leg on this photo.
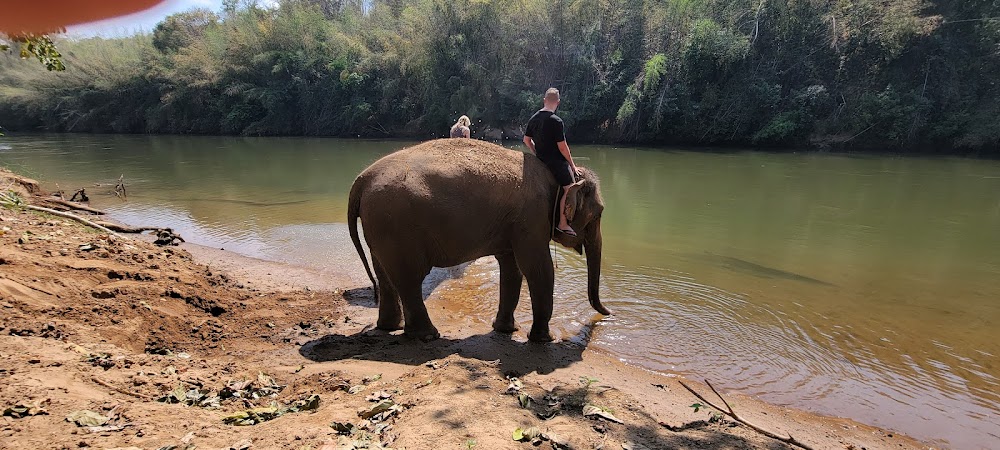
<point>510,293</point>
<point>390,316</point>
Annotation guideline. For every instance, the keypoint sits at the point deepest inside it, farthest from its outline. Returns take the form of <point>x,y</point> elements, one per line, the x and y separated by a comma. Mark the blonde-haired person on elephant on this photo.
<point>545,137</point>
<point>461,128</point>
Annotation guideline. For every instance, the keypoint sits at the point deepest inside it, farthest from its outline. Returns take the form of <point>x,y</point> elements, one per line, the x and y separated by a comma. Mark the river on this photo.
<point>865,287</point>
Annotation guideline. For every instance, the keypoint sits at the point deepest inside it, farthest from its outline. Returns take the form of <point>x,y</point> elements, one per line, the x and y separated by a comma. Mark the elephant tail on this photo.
<point>353,212</point>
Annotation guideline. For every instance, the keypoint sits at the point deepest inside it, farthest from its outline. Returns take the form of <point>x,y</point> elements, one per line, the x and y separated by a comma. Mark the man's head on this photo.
<point>551,99</point>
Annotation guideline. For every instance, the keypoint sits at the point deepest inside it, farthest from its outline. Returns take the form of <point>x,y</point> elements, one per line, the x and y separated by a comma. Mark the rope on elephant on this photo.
<point>552,230</point>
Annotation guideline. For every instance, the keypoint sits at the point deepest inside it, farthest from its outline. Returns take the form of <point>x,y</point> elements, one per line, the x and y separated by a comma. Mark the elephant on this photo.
<point>449,201</point>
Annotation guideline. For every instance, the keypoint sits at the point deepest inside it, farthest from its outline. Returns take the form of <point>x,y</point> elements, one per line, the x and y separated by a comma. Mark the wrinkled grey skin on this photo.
<point>446,202</point>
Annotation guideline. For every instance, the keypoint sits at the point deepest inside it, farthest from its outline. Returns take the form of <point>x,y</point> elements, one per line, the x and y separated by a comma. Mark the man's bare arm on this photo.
<point>530,144</point>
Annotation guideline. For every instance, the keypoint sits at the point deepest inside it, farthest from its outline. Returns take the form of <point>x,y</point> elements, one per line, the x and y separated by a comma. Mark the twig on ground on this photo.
<point>729,412</point>
<point>119,390</point>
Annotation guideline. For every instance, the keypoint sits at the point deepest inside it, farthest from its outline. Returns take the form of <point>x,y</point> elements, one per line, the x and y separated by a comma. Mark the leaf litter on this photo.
<point>374,430</point>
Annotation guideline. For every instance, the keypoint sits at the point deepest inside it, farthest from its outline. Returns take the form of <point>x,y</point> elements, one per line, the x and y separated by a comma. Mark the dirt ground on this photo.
<point>165,350</point>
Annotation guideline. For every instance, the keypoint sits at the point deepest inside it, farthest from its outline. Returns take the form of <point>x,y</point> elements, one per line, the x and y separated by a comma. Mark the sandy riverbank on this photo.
<point>111,324</point>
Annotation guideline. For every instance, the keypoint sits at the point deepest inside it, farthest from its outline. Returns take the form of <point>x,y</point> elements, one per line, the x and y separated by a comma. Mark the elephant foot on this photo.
<point>389,325</point>
<point>425,335</point>
<point>501,327</point>
<point>537,335</point>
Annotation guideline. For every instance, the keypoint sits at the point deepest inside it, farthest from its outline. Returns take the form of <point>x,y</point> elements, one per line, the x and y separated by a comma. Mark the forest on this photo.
<point>904,76</point>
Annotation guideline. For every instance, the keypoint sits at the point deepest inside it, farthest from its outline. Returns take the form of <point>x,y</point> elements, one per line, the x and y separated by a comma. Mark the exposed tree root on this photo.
<point>732,414</point>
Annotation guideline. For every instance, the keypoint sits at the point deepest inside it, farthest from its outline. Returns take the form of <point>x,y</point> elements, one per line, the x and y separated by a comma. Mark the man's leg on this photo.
<point>566,178</point>
<point>562,209</point>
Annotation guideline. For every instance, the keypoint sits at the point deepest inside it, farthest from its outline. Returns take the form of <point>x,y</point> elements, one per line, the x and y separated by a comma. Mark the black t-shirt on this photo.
<point>545,128</point>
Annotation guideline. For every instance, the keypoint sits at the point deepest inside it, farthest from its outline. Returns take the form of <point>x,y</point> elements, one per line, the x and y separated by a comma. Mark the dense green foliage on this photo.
<point>884,74</point>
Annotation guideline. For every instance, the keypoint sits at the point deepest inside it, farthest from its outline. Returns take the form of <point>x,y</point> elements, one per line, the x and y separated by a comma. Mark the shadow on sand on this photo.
<point>515,357</point>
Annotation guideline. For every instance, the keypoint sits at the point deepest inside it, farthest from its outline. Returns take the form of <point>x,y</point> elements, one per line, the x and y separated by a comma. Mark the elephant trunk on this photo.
<point>592,246</point>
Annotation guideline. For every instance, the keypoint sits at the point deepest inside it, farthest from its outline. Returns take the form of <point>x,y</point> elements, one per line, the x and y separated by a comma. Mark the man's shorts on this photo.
<point>562,171</point>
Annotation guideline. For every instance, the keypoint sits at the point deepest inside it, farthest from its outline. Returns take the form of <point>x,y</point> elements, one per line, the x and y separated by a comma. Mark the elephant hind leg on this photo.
<point>407,276</point>
<point>510,292</point>
<point>417,323</point>
<point>390,316</point>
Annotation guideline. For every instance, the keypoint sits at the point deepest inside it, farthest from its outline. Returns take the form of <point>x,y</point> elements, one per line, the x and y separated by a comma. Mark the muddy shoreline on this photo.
<point>111,324</point>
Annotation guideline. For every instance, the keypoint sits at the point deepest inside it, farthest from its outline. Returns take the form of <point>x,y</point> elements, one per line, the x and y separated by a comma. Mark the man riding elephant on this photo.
<point>546,139</point>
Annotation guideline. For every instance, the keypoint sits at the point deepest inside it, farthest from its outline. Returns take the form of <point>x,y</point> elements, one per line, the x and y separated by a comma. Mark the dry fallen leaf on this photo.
<point>86,418</point>
<point>592,410</point>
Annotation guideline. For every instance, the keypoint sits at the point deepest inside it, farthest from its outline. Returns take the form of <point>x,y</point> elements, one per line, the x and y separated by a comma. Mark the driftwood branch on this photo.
<point>82,193</point>
<point>732,414</point>
<point>72,205</point>
<point>125,228</point>
<point>120,188</point>
<point>164,236</point>
<point>69,216</point>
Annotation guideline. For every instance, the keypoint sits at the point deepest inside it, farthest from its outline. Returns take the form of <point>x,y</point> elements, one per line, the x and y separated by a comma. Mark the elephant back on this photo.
<point>486,163</point>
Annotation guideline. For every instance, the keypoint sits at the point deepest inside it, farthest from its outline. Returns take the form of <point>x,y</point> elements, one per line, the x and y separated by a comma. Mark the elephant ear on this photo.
<point>572,199</point>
